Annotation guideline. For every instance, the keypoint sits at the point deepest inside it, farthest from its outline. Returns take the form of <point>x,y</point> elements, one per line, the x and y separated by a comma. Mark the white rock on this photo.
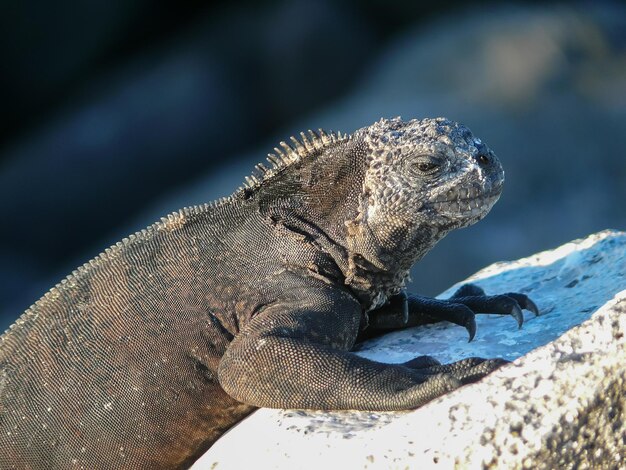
<point>561,402</point>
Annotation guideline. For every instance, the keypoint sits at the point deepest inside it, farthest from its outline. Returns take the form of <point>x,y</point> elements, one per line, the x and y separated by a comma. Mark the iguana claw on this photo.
<point>516,312</point>
<point>470,326</point>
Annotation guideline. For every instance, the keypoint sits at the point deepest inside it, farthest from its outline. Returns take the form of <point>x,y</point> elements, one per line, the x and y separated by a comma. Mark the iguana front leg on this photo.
<point>294,354</point>
<point>460,309</point>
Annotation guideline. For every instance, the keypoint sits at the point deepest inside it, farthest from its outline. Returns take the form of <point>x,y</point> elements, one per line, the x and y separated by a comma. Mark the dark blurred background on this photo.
<point>114,113</point>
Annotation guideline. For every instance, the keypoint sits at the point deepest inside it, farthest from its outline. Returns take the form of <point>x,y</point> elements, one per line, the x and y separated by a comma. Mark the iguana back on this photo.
<point>103,367</point>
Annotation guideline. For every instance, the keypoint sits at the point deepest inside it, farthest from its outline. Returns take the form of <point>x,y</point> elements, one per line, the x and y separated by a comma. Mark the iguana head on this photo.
<point>430,171</point>
<point>422,179</point>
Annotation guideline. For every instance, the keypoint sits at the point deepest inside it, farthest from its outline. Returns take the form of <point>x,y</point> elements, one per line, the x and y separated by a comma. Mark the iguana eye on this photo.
<point>427,165</point>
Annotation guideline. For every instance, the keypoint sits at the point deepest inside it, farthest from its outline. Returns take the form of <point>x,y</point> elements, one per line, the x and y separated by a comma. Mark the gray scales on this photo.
<point>144,356</point>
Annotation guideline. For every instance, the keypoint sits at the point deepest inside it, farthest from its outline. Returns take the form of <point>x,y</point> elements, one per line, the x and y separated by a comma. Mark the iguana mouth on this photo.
<point>474,193</point>
<point>470,202</point>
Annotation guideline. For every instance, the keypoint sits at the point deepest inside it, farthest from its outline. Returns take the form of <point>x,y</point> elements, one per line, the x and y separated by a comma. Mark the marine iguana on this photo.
<point>145,355</point>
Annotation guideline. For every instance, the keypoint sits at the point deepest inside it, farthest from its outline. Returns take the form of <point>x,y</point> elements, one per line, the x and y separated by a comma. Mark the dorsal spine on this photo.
<point>289,153</point>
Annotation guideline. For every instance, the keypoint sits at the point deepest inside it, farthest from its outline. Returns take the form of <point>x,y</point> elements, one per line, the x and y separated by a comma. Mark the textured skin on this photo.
<point>144,356</point>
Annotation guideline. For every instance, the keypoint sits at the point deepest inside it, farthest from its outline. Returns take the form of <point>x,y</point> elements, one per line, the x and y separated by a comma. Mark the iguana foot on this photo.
<point>477,301</point>
<point>466,302</point>
<point>404,311</point>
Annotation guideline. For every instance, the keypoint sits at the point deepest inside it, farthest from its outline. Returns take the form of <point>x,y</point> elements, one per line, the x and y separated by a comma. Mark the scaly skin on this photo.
<point>144,356</point>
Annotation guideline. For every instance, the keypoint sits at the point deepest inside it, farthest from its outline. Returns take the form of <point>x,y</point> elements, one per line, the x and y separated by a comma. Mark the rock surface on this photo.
<point>560,404</point>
